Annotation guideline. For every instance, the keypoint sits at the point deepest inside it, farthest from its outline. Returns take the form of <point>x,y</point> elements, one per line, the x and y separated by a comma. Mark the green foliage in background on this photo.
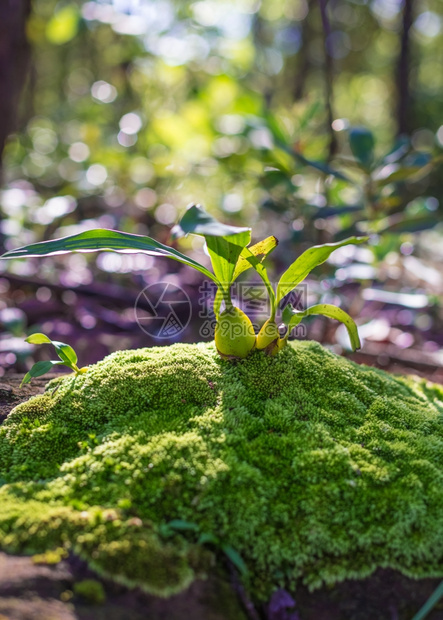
<point>131,113</point>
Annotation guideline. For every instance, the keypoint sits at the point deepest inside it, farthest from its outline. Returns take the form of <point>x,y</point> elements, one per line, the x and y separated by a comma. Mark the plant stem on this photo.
<point>227,298</point>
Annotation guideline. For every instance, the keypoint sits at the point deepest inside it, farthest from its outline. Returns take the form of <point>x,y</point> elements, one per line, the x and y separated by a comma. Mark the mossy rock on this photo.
<point>311,468</point>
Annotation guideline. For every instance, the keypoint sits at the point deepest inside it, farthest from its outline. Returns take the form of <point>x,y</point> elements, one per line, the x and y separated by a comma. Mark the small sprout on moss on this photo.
<point>67,355</point>
<point>91,590</point>
<point>231,254</point>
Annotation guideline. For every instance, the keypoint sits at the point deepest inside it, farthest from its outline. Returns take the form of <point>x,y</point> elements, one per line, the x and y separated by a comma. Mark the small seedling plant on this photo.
<point>231,255</point>
<point>67,357</point>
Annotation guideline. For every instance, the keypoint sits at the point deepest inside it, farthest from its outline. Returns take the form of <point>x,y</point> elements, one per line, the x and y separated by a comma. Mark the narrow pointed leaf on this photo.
<point>319,165</point>
<point>306,262</point>
<point>256,263</point>
<point>101,239</point>
<point>430,603</point>
<point>236,559</point>
<point>292,317</point>
<point>39,369</point>
<point>38,339</point>
<point>208,539</point>
<point>261,250</point>
<point>182,525</point>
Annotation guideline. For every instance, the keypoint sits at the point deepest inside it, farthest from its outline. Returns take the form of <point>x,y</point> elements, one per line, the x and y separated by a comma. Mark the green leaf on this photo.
<point>224,242</point>
<point>198,222</point>
<point>283,142</point>
<point>101,239</point>
<point>319,165</point>
<point>255,262</point>
<point>39,369</point>
<point>253,257</point>
<point>208,539</point>
<point>236,559</point>
<point>65,353</point>
<point>361,141</point>
<point>398,175</point>
<point>224,253</point>
<point>292,317</point>
<point>399,149</point>
<point>306,262</point>
<point>413,224</point>
<point>38,339</point>
<point>430,603</point>
<point>325,212</point>
<point>277,131</point>
<point>181,525</point>
<point>261,250</point>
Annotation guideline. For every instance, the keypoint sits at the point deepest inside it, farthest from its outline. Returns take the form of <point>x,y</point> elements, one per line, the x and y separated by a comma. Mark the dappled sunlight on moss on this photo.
<point>309,466</point>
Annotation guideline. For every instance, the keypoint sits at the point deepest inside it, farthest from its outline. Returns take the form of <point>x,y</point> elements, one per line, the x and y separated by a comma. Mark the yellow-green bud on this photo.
<point>268,337</point>
<point>234,334</point>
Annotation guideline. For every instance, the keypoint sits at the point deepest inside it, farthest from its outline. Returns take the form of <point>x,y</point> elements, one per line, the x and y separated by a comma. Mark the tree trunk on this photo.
<point>14,60</point>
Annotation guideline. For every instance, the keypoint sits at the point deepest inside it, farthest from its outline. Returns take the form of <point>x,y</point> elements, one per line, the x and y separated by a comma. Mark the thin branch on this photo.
<point>329,75</point>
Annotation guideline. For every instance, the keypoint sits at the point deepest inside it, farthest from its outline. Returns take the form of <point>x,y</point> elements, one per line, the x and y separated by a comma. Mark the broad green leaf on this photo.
<point>39,369</point>
<point>292,317</point>
<point>38,339</point>
<point>306,262</point>
<point>101,239</point>
<point>236,559</point>
<point>224,253</point>
<point>361,141</point>
<point>261,250</point>
<point>198,222</point>
<point>65,353</point>
<point>224,242</point>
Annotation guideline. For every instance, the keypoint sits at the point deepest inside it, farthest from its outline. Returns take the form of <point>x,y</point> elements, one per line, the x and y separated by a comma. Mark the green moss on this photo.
<point>309,466</point>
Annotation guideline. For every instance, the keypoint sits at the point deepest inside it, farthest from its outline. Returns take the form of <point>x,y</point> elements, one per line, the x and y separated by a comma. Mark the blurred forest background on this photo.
<point>308,119</point>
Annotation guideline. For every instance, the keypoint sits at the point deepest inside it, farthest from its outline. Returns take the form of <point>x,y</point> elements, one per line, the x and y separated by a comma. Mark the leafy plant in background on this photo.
<point>230,255</point>
<point>388,189</point>
<point>65,352</point>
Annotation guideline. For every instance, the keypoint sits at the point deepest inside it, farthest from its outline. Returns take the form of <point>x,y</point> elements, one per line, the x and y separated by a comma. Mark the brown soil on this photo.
<point>30,591</point>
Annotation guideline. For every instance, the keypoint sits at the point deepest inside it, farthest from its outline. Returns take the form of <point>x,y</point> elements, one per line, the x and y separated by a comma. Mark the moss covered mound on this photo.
<point>150,464</point>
